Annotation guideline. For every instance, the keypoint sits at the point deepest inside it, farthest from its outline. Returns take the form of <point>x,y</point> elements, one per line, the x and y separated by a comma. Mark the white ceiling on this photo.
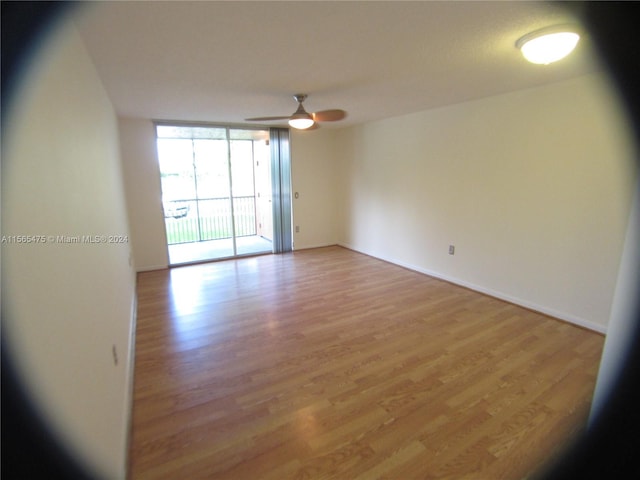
<point>225,61</point>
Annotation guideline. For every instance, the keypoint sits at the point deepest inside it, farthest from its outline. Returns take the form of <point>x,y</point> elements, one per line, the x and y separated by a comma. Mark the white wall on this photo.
<point>143,192</point>
<point>313,175</point>
<point>533,188</point>
<point>68,307</point>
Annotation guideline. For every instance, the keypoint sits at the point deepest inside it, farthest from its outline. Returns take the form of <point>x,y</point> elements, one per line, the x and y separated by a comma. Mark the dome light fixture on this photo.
<point>549,44</point>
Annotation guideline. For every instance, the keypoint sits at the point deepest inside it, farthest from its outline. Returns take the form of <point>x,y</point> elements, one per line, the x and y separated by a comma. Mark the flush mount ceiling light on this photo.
<point>549,44</point>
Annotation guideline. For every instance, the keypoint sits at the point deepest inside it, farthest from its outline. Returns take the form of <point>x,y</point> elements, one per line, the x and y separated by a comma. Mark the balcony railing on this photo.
<point>200,220</point>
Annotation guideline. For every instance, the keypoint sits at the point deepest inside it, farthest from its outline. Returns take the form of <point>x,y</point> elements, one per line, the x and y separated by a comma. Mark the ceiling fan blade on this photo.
<point>329,115</point>
<point>265,119</point>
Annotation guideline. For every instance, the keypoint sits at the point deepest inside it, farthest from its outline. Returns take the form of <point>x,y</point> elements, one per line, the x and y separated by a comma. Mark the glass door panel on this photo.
<point>212,176</point>
<point>178,190</point>
<point>209,188</point>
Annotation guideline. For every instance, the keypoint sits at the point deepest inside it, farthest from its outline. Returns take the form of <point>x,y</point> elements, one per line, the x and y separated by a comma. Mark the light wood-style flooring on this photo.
<point>327,363</point>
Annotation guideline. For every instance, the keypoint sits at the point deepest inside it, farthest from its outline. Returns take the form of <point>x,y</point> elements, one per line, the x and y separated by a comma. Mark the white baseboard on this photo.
<point>490,292</point>
<point>151,268</point>
<point>309,247</point>
<point>130,380</point>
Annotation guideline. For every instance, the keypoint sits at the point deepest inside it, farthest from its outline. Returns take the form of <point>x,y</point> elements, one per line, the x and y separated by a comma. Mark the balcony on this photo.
<point>191,220</point>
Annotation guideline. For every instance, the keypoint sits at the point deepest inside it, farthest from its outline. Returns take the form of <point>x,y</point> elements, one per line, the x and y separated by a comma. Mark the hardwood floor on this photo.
<point>327,363</point>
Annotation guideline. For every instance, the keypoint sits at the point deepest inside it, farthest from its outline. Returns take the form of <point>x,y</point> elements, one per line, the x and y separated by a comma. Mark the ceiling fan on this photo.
<point>303,120</point>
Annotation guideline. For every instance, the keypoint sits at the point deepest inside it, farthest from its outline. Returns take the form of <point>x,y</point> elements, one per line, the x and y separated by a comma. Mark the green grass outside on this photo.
<point>188,229</point>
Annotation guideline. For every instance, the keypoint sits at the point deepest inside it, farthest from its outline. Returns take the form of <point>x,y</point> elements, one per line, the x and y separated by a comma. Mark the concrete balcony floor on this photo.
<point>218,249</point>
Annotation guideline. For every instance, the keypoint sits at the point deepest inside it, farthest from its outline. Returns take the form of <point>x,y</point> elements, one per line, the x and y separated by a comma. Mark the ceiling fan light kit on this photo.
<point>301,119</point>
<point>549,44</point>
<point>301,123</point>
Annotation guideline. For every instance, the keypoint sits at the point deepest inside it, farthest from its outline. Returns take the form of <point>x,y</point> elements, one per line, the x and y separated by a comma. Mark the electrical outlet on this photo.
<point>297,229</point>
<point>452,249</point>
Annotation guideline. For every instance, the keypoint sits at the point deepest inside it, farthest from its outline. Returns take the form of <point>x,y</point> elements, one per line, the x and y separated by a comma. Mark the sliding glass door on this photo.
<point>216,191</point>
